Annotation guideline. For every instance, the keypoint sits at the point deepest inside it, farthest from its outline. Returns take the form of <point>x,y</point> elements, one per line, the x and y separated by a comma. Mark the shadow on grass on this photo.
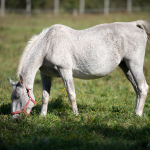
<point>59,105</point>
<point>58,144</point>
<point>82,137</point>
<point>54,104</point>
<point>5,109</point>
<point>73,134</point>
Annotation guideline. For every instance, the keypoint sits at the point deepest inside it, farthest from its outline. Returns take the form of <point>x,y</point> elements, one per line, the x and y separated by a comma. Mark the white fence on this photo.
<point>106,9</point>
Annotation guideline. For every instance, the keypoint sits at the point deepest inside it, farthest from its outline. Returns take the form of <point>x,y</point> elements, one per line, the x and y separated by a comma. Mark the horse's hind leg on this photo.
<point>141,88</point>
<point>67,78</point>
<point>46,85</point>
<point>128,74</point>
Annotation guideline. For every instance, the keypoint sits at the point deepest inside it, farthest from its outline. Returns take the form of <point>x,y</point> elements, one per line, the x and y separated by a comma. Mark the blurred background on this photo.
<point>70,6</point>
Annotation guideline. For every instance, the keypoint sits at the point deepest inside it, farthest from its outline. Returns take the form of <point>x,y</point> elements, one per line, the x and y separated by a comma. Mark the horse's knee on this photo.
<point>72,96</point>
<point>144,90</point>
<point>45,97</point>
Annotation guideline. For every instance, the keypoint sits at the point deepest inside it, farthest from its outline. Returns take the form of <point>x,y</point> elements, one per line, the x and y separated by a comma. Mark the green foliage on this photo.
<point>15,4</point>
<point>118,3</point>
<point>94,4</point>
<point>141,3</point>
<point>106,117</point>
<point>71,4</point>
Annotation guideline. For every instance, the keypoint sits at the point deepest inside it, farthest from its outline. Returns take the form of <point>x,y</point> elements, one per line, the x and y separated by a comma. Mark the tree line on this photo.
<point>71,4</point>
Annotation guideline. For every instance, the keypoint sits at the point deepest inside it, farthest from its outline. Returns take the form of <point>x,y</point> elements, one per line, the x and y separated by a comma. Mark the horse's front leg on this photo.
<point>67,78</point>
<point>46,85</point>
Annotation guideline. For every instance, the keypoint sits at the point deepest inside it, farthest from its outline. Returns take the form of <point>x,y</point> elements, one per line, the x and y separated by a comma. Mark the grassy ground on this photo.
<point>106,106</point>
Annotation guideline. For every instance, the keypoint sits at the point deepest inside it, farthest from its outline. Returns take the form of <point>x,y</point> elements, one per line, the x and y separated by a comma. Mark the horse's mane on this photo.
<point>27,49</point>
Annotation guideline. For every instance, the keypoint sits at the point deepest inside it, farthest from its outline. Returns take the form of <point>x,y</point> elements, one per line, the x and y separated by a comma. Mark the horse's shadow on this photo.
<point>5,109</point>
<point>56,104</point>
<point>60,106</point>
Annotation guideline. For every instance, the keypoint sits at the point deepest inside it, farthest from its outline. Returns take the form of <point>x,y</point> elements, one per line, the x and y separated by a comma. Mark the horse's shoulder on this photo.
<point>61,31</point>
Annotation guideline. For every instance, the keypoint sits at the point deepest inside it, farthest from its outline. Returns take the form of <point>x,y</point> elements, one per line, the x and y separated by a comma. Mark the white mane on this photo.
<point>27,49</point>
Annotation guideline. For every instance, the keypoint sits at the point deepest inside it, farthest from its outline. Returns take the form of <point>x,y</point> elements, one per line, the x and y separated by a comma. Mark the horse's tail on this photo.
<point>145,25</point>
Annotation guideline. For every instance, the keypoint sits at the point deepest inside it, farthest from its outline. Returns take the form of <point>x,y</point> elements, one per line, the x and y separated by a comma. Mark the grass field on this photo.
<point>106,106</point>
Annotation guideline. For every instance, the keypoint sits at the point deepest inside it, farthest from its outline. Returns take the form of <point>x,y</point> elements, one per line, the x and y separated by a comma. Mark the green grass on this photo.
<point>106,106</point>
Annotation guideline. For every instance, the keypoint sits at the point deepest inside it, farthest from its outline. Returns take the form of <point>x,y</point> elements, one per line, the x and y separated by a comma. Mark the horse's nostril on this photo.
<point>15,117</point>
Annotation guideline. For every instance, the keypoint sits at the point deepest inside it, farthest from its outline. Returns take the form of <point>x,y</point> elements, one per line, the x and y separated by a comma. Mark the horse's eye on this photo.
<point>16,96</point>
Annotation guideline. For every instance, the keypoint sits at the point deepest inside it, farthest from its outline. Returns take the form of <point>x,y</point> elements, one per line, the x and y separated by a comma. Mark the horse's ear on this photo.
<point>12,82</point>
<point>21,79</point>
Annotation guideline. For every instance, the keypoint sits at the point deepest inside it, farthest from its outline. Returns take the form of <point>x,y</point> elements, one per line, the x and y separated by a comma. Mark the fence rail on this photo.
<point>101,10</point>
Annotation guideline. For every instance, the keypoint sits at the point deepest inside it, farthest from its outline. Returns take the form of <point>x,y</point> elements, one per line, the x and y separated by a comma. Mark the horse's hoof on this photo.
<point>76,113</point>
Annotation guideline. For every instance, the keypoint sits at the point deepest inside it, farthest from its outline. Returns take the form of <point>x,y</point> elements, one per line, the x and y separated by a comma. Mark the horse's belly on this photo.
<point>49,71</point>
<point>93,72</point>
<point>83,75</point>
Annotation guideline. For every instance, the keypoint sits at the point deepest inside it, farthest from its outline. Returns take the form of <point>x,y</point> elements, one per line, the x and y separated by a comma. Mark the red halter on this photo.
<point>24,109</point>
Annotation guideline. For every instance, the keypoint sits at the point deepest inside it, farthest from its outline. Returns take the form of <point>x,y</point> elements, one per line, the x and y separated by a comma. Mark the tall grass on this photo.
<point>106,106</point>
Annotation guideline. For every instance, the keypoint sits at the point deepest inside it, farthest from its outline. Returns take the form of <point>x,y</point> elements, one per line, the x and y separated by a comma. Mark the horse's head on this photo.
<point>21,98</point>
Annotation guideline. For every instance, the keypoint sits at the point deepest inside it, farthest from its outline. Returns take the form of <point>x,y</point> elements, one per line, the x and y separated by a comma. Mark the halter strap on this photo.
<point>24,109</point>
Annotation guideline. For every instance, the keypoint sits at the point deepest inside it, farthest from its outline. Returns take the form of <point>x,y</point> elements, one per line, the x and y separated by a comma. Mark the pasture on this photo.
<point>106,117</point>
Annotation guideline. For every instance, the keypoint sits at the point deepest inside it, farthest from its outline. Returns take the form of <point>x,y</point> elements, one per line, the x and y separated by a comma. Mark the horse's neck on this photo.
<point>31,65</point>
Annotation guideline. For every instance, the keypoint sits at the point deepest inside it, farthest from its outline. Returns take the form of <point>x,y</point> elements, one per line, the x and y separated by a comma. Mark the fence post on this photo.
<point>28,7</point>
<point>56,7</point>
<point>129,6</point>
<point>106,7</point>
<point>74,13</point>
<point>2,8</point>
<point>82,7</point>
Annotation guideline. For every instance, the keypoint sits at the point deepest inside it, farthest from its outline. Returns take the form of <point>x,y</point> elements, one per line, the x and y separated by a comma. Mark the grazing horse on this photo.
<point>60,51</point>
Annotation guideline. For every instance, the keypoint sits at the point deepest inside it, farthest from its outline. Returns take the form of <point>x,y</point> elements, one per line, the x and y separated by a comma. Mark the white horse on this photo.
<point>60,51</point>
